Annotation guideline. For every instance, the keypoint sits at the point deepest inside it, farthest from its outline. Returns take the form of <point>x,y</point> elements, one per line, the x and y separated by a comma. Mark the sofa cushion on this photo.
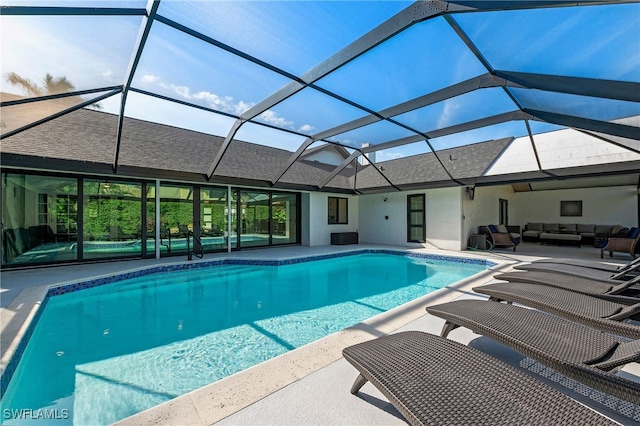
<point>502,229</point>
<point>616,229</point>
<point>603,229</point>
<point>633,233</point>
<point>581,227</point>
<point>551,227</point>
<point>568,227</point>
<point>534,226</point>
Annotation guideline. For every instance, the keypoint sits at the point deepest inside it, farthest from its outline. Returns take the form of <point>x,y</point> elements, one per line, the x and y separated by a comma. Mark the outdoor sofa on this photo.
<point>435,381</point>
<point>572,233</point>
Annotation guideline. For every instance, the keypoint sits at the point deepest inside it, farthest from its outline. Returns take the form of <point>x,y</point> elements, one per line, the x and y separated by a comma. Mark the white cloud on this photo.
<point>306,128</point>
<point>273,118</point>
<point>448,112</point>
<point>212,100</point>
<point>148,79</point>
<point>386,156</point>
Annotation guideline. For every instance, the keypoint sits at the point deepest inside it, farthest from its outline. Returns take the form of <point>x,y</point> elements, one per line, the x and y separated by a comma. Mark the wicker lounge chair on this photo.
<point>603,288</point>
<point>500,239</point>
<point>590,264</point>
<point>431,380</point>
<point>581,271</point>
<point>598,313</point>
<point>577,351</point>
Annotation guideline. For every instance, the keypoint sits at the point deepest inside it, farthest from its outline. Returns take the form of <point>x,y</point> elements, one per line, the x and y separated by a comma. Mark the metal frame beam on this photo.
<point>70,11</point>
<point>338,169</point>
<point>58,96</point>
<point>615,129</point>
<point>597,88</point>
<point>59,114</point>
<point>143,34</point>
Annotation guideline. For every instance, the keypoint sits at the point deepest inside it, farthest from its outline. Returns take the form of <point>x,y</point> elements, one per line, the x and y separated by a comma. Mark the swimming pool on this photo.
<point>141,341</point>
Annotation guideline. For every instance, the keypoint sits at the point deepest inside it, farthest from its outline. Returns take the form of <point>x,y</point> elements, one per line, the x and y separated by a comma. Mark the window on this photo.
<point>416,218</point>
<point>338,211</point>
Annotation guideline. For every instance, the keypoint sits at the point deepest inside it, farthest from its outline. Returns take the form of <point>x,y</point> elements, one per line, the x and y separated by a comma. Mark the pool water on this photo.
<point>105,353</point>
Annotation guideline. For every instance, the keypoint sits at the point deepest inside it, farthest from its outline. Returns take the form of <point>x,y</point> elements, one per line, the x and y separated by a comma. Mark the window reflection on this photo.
<point>112,219</point>
<point>39,219</point>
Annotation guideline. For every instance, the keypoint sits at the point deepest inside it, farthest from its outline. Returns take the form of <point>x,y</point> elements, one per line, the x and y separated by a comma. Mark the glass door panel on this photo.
<point>284,214</point>
<point>213,219</point>
<point>151,220</point>
<point>176,218</point>
<point>254,219</point>
<point>112,218</point>
<point>39,219</point>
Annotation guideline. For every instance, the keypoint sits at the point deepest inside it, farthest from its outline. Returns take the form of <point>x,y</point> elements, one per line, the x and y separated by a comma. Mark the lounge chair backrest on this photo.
<point>625,285</point>
<point>625,353</point>
<point>625,313</point>
<point>630,267</point>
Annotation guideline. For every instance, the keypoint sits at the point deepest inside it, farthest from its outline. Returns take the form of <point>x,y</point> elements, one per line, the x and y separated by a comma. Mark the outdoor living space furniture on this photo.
<point>625,244</point>
<point>575,350</point>
<point>588,264</point>
<point>588,232</point>
<point>435,381</point>
<point>342,238</point>
<point>581,271</point>
<point>500,239</point>
<point>598,313</point>
<point>603,288</point>
<point>558,238</point>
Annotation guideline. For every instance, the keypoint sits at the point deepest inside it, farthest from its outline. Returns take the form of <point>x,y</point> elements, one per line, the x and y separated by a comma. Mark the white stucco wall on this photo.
<point>604,206</point>
<point>443,215</point>
<point>451,216</point>
<point>484,209</point>
<point>318,232</point>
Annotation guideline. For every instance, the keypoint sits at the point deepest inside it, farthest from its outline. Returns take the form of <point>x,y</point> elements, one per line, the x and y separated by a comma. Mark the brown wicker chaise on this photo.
<point>431,380</point>
<point>581,271</point>
<point>598,313</point>
<point>572,349</point>
<point>589,264</point>
<point>603,288</point>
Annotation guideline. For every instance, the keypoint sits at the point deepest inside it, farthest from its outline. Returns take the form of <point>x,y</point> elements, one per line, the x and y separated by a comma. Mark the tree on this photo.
<point>50,86</point>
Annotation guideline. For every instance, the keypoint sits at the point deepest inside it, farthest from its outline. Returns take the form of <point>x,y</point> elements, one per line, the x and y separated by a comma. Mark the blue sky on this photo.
<point>595,42</point>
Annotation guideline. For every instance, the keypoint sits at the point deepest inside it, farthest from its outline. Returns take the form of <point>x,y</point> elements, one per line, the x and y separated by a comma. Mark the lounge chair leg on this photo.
<point>448,327</point>
<point>360,381</point>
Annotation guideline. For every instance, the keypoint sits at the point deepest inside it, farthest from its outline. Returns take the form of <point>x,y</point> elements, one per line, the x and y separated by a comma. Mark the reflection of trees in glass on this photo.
<point>110,205</point>
<point>174,213</point>
<point>50,86</point>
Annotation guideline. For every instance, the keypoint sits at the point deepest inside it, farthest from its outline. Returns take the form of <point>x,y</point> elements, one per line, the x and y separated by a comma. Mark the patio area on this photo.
<point>310,385</point>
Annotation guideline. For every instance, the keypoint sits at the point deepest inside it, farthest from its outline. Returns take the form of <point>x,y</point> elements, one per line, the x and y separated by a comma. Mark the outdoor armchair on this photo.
<point>500,239</point>
<point>625,244</point>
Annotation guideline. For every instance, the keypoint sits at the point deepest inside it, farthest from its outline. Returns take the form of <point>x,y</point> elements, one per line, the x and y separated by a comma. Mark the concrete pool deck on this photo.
<point>309,385</point>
